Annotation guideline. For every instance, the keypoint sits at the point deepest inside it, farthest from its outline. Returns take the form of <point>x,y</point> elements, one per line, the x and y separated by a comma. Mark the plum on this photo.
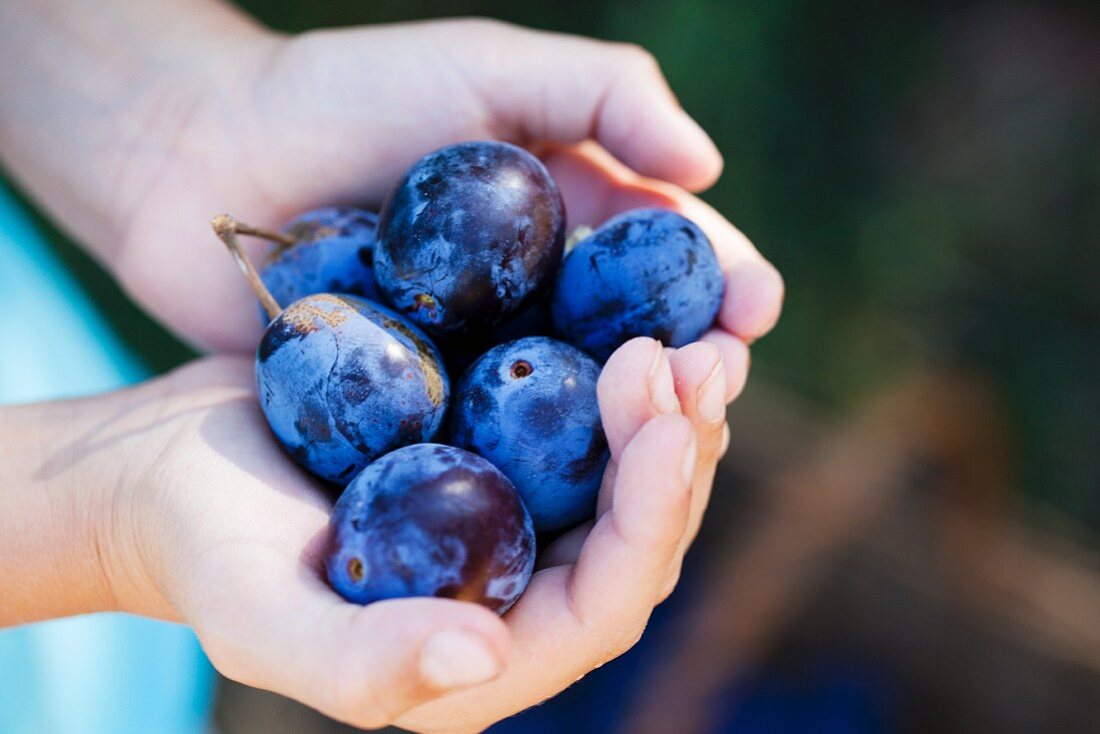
<point>327,250</point>
<point>529,406</point>
<point>430,520</point>
<point>341,380</point>
<point>468,236</point>
<point>648,272</point>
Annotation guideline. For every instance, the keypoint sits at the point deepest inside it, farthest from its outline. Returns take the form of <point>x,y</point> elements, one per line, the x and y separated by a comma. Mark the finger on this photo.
<point>700,384</point>
<point>569,89</point>
<point>595,187</point>
<point>700,378</point>
<point>735,359</point>
<point>362,665</point>
<point>634,386</point>
<point>624,562</point>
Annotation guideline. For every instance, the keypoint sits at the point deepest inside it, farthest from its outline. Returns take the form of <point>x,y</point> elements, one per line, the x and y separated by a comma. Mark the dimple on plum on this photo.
<point>430,520</point>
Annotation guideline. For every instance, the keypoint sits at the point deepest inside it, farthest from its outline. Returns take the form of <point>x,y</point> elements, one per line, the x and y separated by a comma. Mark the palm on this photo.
<point>246,509</point>
<point>236,543</point>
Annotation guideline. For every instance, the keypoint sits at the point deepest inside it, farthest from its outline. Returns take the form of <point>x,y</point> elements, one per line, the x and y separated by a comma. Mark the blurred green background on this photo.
<point>926,176</point>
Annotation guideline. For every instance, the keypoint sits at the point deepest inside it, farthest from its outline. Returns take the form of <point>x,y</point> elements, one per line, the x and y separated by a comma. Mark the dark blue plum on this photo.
<point>430,520</point>
<point>333,253</point>
<point>529,406</point>
<point>648,272</point>
<point>471,234</point>
<point>343,380</point>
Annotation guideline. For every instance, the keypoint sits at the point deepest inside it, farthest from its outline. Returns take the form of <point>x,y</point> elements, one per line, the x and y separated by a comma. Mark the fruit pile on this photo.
<point>462,280</point>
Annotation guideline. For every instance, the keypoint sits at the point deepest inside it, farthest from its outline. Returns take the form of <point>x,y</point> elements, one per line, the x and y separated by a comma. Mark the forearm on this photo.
<point>60,465</point>
<point>89,98</point>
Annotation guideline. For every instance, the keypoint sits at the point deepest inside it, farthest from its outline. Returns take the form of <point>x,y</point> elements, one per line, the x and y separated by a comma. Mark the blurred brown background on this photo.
<point>905,534</point>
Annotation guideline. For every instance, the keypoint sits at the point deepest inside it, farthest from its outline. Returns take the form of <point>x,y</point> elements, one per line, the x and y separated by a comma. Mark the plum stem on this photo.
<point>278,237</point>
<point>227,228</point>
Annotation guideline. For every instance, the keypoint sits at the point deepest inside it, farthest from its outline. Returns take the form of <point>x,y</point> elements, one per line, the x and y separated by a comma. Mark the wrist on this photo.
<point>130,528</point>
<point>54,495</point>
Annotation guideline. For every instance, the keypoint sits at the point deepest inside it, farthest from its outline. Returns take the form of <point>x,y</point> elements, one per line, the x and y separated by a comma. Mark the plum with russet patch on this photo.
<point>430,520</point>
<point>647,272</point>
<point>470,235</point>
<point>342,380</point>
<point>529,406</point>
<point>327,250</point>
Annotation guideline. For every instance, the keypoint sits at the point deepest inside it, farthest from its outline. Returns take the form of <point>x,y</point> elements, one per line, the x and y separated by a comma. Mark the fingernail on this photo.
<point>712,396</point>
<point>662,391</point>
<point>689,462</point>
<point>457,658</point>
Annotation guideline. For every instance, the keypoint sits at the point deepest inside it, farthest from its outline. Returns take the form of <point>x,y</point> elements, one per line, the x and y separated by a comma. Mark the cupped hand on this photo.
<point>334,117</point>
<point>286,124</point>
<point>214,526</point>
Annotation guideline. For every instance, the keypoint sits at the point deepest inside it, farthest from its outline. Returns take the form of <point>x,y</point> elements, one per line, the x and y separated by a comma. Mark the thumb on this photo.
<point>364,665</point>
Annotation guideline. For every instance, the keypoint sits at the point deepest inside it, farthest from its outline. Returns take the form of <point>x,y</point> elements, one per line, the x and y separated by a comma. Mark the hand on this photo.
<point>221,530</point>
<point>336,115</point>
<point>212,525</point>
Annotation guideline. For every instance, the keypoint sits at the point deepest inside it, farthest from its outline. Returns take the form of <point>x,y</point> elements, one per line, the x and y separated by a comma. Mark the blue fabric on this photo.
<point>105,673</point>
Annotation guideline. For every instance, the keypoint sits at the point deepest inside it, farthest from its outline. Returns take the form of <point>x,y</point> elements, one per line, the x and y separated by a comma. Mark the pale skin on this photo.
<point>133,123</point>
